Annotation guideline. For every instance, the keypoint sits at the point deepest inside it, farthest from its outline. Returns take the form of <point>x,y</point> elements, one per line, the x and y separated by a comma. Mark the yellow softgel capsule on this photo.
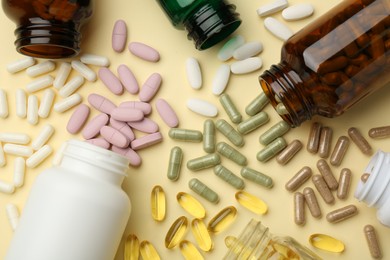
<point>176,232</point>
<point>251,202</point>
<point>326,243</point>
<point>222,219</point>
<point>189,251</point>
<point>158,203</point>
<point>191,205</point>
<point>148,251</point>
<point>131,248</point>
<point>202,235</point>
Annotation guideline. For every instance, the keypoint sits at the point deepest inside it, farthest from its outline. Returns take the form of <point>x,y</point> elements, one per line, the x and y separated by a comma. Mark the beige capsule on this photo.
<point>325,141</point>
<point>339,150</point>
<point>372,241</point>
<point>327,174</point>
<point>299,209</point>
<point>299,179</point>
<point>312,202</point>
<point>314,137</point>
<point>341,214</point>
<point>360,141</point>
<point>379,132</point>
<point>289,152</point>
<point>344,183</point>
<point>365,177</point>
<point>323,188</point>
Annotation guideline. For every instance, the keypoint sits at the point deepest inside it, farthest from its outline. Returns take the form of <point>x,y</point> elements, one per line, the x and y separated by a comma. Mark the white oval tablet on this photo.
<point>202,107</point>
<point>221,79</point>
<point>226,52</point>
<point>271,8</point>
<point>278,28</point>
<point>246,66</point>
<point>194,74</point>
<point>297,12</point>
<point>248,50</point>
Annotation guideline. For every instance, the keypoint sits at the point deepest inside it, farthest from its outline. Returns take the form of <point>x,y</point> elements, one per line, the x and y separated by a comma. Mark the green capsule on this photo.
<point>271,149</point>
<point>230,108</point>
<point>226,175</point>
<point>175,161</point>
<point>257,177</point>
<point>281,109</point>
<point>201,189</point>
<point>203,162</point>
<point>230,133</point>
<point>186,135</point>
<point>256,105</point>
<point>253,123</point>
<point>231,153</point>
<point>209,136</point>
<point>274,132</point>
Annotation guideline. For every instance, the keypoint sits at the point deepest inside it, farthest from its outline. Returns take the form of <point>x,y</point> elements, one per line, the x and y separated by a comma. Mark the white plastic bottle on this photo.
<point>375,191</point>
<point>75,211</point>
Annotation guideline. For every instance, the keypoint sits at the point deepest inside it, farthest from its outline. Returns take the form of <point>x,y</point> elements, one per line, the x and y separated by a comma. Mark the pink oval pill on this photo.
<point>101,142</point>
<point>133,156</point>
<point>143,106</point>
<point>101,103</point>
<point>146,125</point>
<point>78,119</point>
<point>119,36</point>
<point>150,87</point>
<point>128,79</point>
<point>126,114</point>
<point>146,141</point>
<point>167,114</point>
<point>92,129</point>
<point>110,80</point>
<point>114,137</point>
<point>144,51</point>
<point>123,128</point>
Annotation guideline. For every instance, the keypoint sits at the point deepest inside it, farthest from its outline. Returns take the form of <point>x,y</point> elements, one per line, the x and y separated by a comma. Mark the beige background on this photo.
<point>147,23</point>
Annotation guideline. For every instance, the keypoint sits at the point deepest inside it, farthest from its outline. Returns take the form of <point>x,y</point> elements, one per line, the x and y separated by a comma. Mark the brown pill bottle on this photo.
<point>332,63</point>
<point>48,28</point>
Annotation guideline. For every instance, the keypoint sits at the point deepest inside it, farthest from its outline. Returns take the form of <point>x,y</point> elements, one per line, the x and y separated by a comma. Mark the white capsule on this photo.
<point>46,103</point>
<point>19,171</point>
<point>271,8</point>
<point>3,104</point>
<point>226,52</point>
<point>202,107</point>
<point>6,187</point>
<point>278,28</point>
<point>32,109</point>
<point>297,12</point>
<point>70,87</point>
<point>18,150</point>
<point>41,68</point>
<point>57,158</point>
<point>40,83</point>
<point>67,103</point>
<point>21,103</point>
<point>246,66</point>
<point>194,73</point>
<point>20,64</point>
<point>221,79</point>
<point>43,137</point>
<point>39,156</point>
<point>3,162</point>
<point>96,60</point>
<point>248,50</point>
<point>13,215</point>
<point>62,75</point>
<point>15,138</point>
<point>84,70</point>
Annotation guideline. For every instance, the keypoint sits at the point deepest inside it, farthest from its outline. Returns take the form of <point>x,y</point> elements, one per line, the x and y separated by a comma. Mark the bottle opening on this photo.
<point>47,51</point>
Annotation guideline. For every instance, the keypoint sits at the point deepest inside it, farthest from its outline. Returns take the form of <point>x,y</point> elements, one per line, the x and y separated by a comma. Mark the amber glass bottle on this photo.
<point>332,63</point>
<point>48,28</point>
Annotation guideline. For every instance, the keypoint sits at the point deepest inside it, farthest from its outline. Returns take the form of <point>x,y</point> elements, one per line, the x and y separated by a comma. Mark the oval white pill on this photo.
<point>248,50</point>
<point>297,12</point>
<point>226,52</point>
<point>278,28</point>
<point>19,171</point>
<point>221,79</point>
<point>6,187</point>
<point>18,150</point>
<point>67,103</point>
<point>21,103</point>
<point>39,156</point>
<point>96,60</point>
<point>40,68</point>
<point>13,215</point>
<point>246,66</point>
<point>62,75</point>
<point>194,73</point>
<point>40,83</point>
<point>46,104</point>
<point>70,87</point>
<point>57,158</point>
<point>272,7</point>
<point>84,70</point>
<point>202,107</point>
<point>43,137</point>
<point>32,109</point>
<point>15,138</point>
<point>20,64</point>
<point>3,104</point>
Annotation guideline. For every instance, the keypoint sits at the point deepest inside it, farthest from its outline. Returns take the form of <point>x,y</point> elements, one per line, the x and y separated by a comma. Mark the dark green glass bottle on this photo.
<point>206,21</point>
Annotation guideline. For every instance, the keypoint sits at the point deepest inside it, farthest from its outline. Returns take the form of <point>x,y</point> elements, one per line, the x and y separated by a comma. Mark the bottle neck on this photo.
<point>211,23</point>
<point>94,162</point>
<point>282,85</point>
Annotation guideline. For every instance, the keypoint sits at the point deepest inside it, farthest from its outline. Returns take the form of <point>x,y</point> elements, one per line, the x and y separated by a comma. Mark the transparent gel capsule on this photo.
<point>131,248</point>
<point>148,251</point>
<point>191,205</point>
<point>202,235</point>
<point>222,219</point>
<point>251,202</point>
<point>176,232</point>
<point>189,251</point>
<point>158,203</point>
<point>326,243</point>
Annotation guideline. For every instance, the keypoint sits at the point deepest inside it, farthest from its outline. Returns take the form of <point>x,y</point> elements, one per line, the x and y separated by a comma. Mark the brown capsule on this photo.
<point>325,140</point>
<point>298,179</point>
<point>327,174</point>
<point>299,209</point>
<point>341,214</point>
<point>359,140</point>
<point>344,183</point>
<point>289,152</point>
<point>312,202</point>
<point>372,242</point>
<point>339,150</point>
<point>314,137</point>
<point>323,189</point>
<point>365,177</point>
<point>335,64</point>
<point>379,132</point>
